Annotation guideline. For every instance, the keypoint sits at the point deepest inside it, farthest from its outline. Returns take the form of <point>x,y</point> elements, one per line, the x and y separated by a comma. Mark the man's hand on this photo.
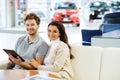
<point>15,60</point>
<point>34,63</point>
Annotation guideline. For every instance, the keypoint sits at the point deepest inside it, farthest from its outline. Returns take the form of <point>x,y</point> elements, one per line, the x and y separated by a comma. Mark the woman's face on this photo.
<point>31,26</point>
<point>53,32</point>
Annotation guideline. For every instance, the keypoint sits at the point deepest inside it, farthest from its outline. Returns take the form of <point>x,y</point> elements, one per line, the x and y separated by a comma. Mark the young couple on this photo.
<point>36,53</point>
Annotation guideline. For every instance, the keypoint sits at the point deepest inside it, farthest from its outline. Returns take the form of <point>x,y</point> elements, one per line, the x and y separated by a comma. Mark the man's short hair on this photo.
<point>32,16</point>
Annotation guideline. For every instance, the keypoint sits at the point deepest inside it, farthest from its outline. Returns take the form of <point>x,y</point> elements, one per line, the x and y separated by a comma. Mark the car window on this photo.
<point>115,3</point>
<point>65,5</point>
<point>98,4</point>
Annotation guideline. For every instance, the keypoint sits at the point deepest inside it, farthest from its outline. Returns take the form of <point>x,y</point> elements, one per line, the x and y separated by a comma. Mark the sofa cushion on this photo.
<point>86,64</point>
<point>110,65</point>
<point>3,64</point>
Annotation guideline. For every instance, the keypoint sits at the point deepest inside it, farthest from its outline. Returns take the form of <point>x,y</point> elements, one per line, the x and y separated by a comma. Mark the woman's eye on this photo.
<point>55,31</point>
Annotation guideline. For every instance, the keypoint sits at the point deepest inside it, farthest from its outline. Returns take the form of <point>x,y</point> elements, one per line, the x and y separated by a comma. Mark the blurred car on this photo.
<point>66,12</point>
<point>115,6</point>
<point>112,18</point>
<point>97,9</point>
<point>40,14</point>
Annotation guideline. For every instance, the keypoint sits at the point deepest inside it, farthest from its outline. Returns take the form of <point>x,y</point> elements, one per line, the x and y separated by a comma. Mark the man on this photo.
<point>30,46</point>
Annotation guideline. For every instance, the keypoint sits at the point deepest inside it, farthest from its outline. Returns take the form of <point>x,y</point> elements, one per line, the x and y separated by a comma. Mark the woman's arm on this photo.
<point>60,58</point>
<point>30,67</point>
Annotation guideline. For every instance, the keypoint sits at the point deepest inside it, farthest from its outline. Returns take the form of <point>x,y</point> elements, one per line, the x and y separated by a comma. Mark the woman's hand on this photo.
<point>34,63</point>
<point>15,60</point>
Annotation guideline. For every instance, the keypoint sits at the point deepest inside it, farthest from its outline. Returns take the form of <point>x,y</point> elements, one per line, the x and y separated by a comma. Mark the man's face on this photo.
<point>31,26</point>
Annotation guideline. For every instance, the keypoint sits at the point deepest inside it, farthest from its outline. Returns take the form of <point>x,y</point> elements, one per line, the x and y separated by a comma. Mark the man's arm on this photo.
<point>18,61</point>
<point>30,67</point>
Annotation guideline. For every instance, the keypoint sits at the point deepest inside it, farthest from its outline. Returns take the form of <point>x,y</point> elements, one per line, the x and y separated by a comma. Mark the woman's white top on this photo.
<point>58,59</point>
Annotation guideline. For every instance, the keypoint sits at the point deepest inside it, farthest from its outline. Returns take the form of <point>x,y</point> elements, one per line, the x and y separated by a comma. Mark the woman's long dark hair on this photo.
<point>63,35</point>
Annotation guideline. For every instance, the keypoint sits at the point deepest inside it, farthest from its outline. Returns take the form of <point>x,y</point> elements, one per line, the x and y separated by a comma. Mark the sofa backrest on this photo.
<point>110,64</point>
<point>88,34</point>
<point>86,64</point>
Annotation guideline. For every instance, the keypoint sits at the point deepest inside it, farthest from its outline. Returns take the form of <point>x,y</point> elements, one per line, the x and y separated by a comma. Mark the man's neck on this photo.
<point>32,37</point>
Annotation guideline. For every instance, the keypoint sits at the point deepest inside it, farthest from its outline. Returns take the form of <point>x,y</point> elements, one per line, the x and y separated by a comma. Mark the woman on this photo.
<point>59,55</point>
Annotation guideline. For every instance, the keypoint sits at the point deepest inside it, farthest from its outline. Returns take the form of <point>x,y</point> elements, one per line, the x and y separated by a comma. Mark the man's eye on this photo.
<point>49,30</point>
<point>27,24</point>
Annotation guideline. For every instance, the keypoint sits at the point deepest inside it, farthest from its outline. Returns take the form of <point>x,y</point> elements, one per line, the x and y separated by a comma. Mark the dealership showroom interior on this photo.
<point>92,27</point>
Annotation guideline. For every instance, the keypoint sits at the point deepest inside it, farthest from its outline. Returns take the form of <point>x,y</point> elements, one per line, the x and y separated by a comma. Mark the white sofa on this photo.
<point>3,64</point>
<point>94,63</point>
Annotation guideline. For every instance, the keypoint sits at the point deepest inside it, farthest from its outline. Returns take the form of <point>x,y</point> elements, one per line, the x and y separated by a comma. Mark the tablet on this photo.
<point>13,53</point>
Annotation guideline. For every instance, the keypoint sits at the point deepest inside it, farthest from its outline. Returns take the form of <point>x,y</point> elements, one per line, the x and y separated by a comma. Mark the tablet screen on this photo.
<point>13,53</point>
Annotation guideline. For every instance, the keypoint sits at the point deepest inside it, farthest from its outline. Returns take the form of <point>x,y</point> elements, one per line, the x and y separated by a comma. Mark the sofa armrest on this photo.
<point>3,64</point>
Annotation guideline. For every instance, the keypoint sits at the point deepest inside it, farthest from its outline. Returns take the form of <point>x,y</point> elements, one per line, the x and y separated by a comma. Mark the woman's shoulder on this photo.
<point>62,47</point>
<point>62,44</point>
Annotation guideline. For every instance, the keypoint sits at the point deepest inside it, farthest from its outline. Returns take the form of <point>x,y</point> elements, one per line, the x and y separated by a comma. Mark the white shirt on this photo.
<point>49,59</point>
<point>58,59</point>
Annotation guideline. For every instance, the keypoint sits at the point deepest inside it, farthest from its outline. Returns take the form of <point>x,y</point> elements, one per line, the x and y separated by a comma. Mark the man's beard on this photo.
<point>31,34</point>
